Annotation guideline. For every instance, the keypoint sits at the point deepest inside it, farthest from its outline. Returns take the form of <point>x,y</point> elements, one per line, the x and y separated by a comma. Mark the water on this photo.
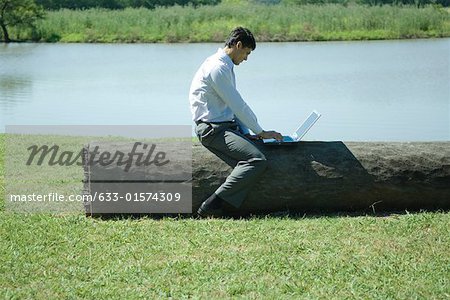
<point>366,91</point>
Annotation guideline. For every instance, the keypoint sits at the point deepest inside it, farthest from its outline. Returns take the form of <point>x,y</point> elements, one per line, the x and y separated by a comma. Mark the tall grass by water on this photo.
<point>269,23</point>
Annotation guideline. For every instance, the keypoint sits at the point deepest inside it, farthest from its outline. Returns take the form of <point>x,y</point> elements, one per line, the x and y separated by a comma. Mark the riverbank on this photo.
<point>276,23</point>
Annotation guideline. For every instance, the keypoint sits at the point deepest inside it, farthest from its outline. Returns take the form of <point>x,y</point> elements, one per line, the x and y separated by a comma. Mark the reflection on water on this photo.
<point>14,90</point>
<point>378,90</point>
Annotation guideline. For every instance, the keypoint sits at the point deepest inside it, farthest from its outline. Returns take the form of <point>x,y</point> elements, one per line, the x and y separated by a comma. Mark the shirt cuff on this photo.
<point>244,129</point>
<point>259,130</point>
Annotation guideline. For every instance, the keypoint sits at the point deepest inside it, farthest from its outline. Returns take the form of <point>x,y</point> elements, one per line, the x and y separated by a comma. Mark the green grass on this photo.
<point>269,23</point>
<point>69,256</point>
<point>48,176</point>
<point>396,257</point>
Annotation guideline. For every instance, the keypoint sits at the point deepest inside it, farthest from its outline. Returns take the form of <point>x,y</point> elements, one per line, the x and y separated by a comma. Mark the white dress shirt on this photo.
<point>213,96</point>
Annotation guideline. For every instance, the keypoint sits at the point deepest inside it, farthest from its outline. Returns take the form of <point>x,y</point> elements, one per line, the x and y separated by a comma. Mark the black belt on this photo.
<point>224,122</point>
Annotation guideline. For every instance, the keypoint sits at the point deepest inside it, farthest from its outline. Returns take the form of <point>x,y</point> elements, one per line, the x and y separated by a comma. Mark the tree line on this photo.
<point>121,4</point>
<point>418,3</point>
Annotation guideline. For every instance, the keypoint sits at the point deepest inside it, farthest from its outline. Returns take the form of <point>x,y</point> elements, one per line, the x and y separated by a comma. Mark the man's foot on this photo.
<point>212,207</point>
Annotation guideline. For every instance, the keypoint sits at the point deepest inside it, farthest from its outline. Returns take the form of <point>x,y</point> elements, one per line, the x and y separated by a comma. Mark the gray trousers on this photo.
<point>231,146</point>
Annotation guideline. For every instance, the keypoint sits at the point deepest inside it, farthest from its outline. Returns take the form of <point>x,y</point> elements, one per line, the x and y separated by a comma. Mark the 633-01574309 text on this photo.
<point>137,197</point>
<point>102,197</point>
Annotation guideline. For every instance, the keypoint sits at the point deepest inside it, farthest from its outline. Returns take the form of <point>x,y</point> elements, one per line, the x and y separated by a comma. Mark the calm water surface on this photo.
<point>366,91</point>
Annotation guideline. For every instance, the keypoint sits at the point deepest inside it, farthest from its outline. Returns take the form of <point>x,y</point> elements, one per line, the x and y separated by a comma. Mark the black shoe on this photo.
<point>211,207</point>
<point>205,212</point>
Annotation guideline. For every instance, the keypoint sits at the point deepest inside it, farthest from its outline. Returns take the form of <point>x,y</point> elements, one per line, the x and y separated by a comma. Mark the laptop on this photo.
<point>299,133</point>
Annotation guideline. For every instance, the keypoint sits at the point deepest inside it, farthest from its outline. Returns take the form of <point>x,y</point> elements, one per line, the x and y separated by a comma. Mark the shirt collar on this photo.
<point>223,56</point>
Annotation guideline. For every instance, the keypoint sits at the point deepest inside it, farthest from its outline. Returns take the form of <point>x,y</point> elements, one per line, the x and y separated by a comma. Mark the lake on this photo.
<point>366,91</point>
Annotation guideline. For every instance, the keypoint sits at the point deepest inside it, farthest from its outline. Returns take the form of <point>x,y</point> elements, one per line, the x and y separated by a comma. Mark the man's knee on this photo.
<point>260,162</point>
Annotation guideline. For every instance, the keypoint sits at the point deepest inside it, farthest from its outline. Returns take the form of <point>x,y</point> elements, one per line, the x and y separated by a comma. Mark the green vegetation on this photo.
<point>268,22</point>
<point>69,256</point>
<point>18,14</point>
<point>121,4</point>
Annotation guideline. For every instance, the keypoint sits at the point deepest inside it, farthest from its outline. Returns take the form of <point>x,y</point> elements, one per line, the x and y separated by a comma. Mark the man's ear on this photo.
<point>239,45</point>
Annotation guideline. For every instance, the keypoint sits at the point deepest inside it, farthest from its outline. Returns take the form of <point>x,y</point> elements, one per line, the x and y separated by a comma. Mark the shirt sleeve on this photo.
<point>222,84</point>
<point>242,128</point>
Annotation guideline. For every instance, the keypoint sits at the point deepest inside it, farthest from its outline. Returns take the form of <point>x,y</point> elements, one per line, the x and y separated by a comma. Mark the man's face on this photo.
<point>241,53</point>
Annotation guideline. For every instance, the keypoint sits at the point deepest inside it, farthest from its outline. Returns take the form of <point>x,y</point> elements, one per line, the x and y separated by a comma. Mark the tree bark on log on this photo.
<point>337,176</point>
<point>311,176</point>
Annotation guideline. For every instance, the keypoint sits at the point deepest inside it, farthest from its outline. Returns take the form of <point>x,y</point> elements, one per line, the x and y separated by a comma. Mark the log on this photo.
<point>317,177</point>
<point>337,176</point>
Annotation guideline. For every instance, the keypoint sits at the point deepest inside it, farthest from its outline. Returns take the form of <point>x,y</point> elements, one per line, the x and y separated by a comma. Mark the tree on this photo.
<point>18,13</point>
<point>308,177</point>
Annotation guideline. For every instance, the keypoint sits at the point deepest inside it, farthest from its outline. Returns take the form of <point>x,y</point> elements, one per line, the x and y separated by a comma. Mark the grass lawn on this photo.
<point>68,256</point>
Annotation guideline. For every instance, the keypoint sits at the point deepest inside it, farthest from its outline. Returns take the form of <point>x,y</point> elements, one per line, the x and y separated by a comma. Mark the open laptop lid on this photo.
<point>299,133</point>
<point>306,126</point>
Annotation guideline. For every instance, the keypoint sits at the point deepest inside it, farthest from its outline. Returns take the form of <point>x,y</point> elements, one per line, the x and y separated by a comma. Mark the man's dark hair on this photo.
<point>243,35</point>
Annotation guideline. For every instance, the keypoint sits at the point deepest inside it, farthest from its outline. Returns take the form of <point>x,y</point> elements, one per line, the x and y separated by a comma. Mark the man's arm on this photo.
<point>242,128</point>
<point>263,135</point>
<point>222,84</point>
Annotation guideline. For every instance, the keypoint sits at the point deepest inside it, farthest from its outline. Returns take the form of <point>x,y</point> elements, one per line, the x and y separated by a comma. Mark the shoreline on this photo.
<point>210,24</point>
<point>220,42</point>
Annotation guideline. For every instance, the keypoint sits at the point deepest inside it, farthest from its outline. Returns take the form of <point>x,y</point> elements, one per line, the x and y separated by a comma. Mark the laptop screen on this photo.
<point>307,124</point>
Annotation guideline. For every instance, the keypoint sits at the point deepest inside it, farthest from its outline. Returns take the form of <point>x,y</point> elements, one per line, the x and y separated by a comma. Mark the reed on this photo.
<point>269,23</point>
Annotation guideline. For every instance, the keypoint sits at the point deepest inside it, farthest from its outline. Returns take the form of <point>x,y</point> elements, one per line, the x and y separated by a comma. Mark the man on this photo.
<point>223,120</point>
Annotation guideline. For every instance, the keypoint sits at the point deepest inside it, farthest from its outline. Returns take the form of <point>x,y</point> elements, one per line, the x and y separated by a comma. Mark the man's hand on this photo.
<point>270,135</point>
<point>252,137</point>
